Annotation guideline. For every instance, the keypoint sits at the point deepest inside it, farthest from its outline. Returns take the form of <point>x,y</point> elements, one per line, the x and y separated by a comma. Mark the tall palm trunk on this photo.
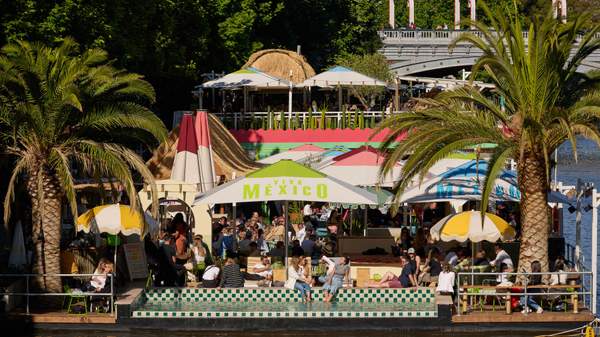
<point>535,222</point>
<point>46,221</point>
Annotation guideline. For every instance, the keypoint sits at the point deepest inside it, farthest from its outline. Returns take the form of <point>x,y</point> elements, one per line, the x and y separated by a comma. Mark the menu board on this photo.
<point>136,260</point>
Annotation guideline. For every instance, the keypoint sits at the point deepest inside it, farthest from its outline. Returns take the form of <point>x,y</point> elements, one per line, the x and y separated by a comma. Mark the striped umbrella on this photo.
<point>205,155</point>
<point>467,226</point>
<point>185,164</point>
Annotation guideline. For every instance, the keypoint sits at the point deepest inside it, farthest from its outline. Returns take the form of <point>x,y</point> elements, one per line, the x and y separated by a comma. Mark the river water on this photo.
<point>586,168</point>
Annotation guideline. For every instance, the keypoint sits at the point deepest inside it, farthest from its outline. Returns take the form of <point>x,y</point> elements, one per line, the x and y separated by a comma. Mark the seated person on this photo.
<point>326,279</point>
<point>502,257</point>
<point>481,259</point>
<point>231,277</point>
<point>528,302</point>
<point>278,251</point>
<point>308,245</point>
<point>254,251</point>
<point>98,282</point>
<point>431,270</point>
<point>296,249</point>
<point>389,280</point>
<point>210,277</point>
<point>262,271</point>
<point>297,281</point>
<point>503,278</point>
<point>341,272</point>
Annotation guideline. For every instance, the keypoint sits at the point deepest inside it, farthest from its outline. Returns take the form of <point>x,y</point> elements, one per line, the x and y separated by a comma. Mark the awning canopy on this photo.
<point>341,76</point>
<point>247,77</point>
<point>465,182</point>
<point>296,154</point>
<point>287,180</point>
<point>361,166</point>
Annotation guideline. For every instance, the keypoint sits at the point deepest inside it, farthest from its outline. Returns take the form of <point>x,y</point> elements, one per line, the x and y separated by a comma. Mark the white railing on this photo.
<point>435,35</point>
<point>27,293</point>
<point>237,117</point>
<point>483,284</point>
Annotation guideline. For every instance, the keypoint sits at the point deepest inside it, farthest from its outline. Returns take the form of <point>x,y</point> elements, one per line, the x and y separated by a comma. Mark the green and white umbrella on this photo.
<point>287,181</point>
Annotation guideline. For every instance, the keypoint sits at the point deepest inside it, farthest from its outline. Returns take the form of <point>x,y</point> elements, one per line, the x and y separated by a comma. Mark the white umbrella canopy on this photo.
<point>296,154</point>
<point>247,77</point>
<point>283,181</point>
<point>341,76</point>
<point>467,226</point>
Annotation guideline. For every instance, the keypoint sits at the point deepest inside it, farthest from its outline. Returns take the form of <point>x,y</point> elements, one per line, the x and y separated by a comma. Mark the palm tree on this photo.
<point>64,111</point>
<point>547,102</point>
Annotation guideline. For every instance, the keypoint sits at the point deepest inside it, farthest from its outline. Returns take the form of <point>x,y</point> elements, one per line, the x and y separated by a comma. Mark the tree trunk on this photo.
<point>46,229</point>
<point>535,221</point>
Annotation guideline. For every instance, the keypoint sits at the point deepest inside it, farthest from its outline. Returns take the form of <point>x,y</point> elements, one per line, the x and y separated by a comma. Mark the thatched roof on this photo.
<point>228,154</point>
<point>279,62</point>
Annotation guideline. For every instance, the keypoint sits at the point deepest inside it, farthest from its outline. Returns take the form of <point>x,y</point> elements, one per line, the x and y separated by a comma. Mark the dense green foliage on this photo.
<point>173,42</point>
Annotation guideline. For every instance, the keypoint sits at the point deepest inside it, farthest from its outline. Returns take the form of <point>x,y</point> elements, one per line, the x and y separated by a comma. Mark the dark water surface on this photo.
<point>152,333</point>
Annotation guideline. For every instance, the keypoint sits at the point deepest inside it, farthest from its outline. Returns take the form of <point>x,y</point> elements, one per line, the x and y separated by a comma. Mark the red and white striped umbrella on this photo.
<point>185,166</point>
<point>205,156</point>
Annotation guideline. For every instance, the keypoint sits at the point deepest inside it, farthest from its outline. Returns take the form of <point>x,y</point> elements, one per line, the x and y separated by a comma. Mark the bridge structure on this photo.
<point>411,52</point>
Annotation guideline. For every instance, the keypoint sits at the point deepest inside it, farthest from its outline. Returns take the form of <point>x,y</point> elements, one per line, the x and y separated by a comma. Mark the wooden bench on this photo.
<point>505,291</point>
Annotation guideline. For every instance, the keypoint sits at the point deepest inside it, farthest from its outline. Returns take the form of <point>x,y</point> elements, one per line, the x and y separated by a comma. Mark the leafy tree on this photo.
<point>546,103</point>
<point>373,65</point>
<point>62,110</point>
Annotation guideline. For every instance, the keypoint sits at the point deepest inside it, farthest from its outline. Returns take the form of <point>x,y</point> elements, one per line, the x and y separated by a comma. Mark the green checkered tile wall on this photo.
<point>158,295</point>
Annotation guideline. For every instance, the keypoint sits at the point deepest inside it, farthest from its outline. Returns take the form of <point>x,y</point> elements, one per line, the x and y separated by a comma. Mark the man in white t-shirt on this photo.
<point>210,277</point>
<point>263,269</point>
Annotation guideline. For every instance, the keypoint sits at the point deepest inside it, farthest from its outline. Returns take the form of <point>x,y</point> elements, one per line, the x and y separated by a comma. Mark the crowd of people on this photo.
<point>237,241</point>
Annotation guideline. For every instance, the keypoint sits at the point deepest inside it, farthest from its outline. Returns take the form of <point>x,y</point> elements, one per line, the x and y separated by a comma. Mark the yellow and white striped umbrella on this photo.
<point>467,226</point>
<point>114,219</point>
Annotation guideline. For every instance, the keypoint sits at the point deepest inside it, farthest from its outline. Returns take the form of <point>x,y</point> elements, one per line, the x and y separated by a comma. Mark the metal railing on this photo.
<point>235,119</point>
<point>432,35</point>
<point>27,294</point>
<point>473,284</point>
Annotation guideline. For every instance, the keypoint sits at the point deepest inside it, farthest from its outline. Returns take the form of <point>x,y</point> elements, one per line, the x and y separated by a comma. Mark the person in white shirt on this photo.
<point>296,280</point>
<point>502,257</point>
<point>446,280</point>
<point>263,269</point>
<point>210,278</point>
<point>326,279</point>
<point>308,210</point>
<point>98,281</point>
<point>301,234</point>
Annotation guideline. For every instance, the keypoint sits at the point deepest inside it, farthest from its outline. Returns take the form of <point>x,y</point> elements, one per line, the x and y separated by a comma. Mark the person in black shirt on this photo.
<point>407,276</point>
<point>231,277</point>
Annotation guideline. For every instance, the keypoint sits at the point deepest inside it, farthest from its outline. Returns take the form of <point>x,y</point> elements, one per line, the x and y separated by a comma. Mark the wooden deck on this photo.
<point>64,317</point>
<point>517,317</point>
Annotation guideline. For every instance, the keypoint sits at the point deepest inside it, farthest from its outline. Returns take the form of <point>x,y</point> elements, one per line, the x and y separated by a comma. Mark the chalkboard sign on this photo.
<point>136,260</point>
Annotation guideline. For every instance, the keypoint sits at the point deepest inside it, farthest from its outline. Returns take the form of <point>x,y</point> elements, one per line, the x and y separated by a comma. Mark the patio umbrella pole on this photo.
<point>366,220</point>
<point>339,98</point>
<point>286,239</point>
